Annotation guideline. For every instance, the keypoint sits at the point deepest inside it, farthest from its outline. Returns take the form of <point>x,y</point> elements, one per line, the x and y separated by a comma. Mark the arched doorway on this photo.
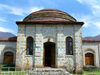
<point>89,59</point>
<point>49,54</point>
<point>8,57</point>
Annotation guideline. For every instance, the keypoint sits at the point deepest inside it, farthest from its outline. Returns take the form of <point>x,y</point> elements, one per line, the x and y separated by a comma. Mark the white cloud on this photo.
<point>93,4</point>
<point>97,24</point>
<point>19,11</point>
<point>93,19</point>
<point>96,6</point>
<point>2,29</point>
<point>2,20</point>
<point>90,21</point>
<point>86,20</point>
<point>12,9</point>
<point>33,9</point>
<point>79,1</point>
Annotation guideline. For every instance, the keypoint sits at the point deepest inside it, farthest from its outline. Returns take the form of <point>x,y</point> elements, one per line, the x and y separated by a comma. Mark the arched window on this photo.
<point>29,49</point>
<point>69,46</point>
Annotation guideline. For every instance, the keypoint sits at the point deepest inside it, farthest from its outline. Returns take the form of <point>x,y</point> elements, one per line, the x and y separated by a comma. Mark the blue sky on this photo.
<point>87,11</point>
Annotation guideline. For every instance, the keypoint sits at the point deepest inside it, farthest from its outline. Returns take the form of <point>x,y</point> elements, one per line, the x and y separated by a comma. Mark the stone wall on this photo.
<point>78,54</point>
<point>74,62</point>
<point>53,33</point>
<point>21,47</point>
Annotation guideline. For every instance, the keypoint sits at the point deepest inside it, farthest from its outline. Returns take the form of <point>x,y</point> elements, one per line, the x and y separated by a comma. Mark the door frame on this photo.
<point>52,43</point>
<point>4,56</point>
<point>89,59</point>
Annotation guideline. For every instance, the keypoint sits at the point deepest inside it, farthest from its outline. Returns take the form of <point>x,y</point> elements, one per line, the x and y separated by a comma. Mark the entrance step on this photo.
<point>48,71</point>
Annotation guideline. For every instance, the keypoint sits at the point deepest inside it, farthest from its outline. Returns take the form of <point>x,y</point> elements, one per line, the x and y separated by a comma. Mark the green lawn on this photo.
<point>13,73</point>
<point>92,73</point>
<point>96,72</point>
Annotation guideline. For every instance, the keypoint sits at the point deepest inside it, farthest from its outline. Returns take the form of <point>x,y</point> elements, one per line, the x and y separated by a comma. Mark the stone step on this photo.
<point>48,71</point>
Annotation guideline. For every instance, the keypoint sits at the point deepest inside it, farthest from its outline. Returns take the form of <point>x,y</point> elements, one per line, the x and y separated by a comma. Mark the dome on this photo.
<point>49,15</point>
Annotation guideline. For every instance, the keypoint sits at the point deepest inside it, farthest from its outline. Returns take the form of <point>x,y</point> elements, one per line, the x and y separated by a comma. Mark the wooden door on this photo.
<point>53,56</point>
<point>8,58</point>
<point>89,59</point>
<point>49,54</point>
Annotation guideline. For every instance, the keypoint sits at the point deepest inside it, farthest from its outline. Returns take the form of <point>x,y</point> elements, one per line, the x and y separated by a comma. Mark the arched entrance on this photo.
<point>49,54</point>
<point>8,57</point>
<point>89,59</point>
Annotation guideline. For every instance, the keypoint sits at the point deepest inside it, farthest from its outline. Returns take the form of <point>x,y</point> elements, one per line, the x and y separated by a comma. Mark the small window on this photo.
<point>69,46</point>
<point>29,49</point>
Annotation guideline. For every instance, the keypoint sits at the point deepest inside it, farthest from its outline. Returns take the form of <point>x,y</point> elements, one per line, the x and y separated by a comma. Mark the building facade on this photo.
<point>50,38</point>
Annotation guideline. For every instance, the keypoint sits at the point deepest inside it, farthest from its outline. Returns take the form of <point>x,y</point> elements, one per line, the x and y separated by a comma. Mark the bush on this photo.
<point>7,65</point>
<point>4,67</point>
<point>0,67</point>
<point>89,68</point>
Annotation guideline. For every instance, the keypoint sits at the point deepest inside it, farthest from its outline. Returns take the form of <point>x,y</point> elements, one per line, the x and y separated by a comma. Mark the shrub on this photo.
<point>68,65</point>
<point>6,67</point>
<point>9,65</point>
<point>89,68</point>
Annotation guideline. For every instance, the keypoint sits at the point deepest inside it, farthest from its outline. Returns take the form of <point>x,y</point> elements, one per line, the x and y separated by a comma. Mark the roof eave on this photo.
<point>92,41</point>
<point>8,40</point>
<point>48,22</point>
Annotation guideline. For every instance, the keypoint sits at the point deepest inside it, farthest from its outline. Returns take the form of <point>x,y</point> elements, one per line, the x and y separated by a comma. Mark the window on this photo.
<point>69,46</point>
<point>29,49</point>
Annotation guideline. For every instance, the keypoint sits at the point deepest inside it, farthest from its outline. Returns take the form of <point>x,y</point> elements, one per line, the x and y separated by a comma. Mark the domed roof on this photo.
<point>49,15</point>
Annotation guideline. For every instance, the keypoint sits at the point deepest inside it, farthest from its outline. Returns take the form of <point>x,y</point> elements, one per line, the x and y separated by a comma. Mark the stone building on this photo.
<point>50,38</point>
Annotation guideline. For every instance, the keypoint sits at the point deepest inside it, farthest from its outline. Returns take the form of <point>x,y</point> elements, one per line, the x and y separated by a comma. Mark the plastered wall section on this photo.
<point>91,47</point>
<point>7,46</point>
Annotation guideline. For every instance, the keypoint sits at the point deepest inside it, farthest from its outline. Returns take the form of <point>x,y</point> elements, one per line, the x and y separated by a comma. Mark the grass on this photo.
<point>25,73</point>
<point>12,73</point>
<point>95,72</point>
